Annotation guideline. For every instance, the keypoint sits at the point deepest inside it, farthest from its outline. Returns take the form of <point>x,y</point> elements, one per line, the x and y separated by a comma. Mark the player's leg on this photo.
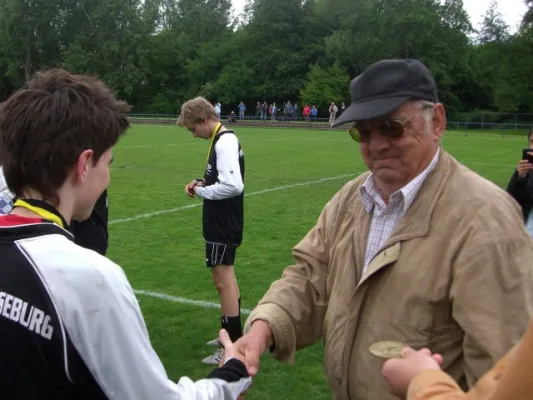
<point>228,291</point>
<point>220,258</point>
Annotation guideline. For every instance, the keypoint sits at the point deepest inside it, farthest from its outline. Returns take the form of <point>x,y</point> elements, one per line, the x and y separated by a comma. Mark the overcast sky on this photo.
<point>513,10</point>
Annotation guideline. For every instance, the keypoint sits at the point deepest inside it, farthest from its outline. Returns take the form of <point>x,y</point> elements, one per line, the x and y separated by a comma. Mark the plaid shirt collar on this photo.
<point>371,195</point>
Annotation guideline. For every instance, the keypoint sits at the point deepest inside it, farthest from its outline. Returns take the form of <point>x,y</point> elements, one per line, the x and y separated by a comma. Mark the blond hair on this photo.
<point>195,111</point>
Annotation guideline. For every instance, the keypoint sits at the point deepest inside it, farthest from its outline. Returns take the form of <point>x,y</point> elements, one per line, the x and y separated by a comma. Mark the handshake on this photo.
<point>249,348</point>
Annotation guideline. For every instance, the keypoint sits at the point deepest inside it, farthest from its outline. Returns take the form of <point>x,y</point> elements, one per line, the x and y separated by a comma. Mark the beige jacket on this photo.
<point>455,276</point>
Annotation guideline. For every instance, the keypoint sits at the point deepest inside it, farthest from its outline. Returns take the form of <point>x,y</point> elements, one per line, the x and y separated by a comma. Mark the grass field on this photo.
<point>164,253</point>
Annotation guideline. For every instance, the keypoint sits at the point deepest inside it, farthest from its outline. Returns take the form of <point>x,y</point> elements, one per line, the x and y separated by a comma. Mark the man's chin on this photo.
<point>386,175</point>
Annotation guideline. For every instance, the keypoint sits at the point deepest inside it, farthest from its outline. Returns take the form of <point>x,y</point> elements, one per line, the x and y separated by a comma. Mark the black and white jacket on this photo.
<point>71,327</point>
<point>223,193</point>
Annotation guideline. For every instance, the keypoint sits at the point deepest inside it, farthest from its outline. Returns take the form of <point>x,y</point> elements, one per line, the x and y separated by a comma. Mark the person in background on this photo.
<point>6,197</point>
<point>92,233</point>
<point>273,111</point>
<point>307,112</point>
<point>264,111</point>
<point>222,191</point>
<point>218,109</point>
<point>242,109</point>
<point>520,186</point>
<point>314,113</point>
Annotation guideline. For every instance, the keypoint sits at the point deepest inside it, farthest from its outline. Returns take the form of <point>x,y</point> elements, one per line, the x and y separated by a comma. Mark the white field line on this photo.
<point>275,189</point>
<point>191,142</point>
<point>183,300</point>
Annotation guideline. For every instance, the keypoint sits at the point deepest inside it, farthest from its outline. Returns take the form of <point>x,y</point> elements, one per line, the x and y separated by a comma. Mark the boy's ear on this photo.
<point>83,165</point>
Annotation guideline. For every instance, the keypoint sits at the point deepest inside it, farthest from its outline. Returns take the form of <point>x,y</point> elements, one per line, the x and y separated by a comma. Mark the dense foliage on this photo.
<point>156,53</point>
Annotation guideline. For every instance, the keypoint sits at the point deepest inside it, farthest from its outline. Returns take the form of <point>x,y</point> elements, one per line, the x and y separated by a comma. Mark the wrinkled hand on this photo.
<point>523,167</point>
<point>399,372</point>
<point>252,345</point>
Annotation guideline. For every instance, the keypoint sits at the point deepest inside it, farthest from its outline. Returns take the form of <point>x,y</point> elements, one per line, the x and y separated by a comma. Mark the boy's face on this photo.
<point>200,130</point>
<point>93,179</point>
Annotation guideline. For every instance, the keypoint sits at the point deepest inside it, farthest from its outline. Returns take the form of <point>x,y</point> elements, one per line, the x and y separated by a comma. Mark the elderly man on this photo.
<point>420,250</point>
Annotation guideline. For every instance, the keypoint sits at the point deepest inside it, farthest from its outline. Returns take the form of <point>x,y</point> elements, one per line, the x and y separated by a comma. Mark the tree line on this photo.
<point>157,53</point>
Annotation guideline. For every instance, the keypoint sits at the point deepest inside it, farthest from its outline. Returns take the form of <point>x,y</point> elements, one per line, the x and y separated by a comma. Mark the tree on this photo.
<point>493,26</point>
<point>528,16</point>
<point>325,85</point>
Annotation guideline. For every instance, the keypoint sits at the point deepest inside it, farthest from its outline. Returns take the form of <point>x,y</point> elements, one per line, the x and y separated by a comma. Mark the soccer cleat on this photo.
<point>215,358</point>
<point>214,343</point>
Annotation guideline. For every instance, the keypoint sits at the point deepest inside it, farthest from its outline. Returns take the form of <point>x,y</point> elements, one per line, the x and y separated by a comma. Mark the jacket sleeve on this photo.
<point>516,187</point>
<point>434,385</point>
<point>515,382</point>
<point>106,327</point>
<point>492,288</point>
<point>295,305</point>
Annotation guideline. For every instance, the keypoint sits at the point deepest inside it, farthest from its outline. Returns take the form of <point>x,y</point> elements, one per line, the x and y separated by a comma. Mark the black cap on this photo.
<point>386,85</point>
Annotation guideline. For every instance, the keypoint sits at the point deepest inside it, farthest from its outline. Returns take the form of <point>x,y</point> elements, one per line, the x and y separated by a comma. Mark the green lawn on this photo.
<point>165,253</point>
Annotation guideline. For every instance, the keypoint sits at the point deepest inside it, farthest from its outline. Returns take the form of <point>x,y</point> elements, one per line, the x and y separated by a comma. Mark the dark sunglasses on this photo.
<point>390,128</point>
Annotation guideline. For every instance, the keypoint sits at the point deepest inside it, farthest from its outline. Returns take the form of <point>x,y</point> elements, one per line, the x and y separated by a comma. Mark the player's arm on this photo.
<point>109,332</point>
<point>230,183</point>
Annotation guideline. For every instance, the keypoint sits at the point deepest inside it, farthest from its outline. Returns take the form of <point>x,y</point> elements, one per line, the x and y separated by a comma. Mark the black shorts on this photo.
<point>219,254</point>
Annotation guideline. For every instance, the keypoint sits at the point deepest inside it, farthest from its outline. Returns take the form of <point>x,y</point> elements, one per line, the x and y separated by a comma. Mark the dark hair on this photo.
<point>46,125</point>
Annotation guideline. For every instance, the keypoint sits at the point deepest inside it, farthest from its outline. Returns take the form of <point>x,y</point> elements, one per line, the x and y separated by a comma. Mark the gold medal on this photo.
<point>387,349</point>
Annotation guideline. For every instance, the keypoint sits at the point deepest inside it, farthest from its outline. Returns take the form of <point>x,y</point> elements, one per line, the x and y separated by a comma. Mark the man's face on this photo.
<point>92,180</point>
<point>396,148</point>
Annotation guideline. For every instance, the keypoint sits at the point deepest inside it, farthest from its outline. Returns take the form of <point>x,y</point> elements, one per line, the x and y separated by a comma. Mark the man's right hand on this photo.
<point>524,166</point>
<point>252,345</point>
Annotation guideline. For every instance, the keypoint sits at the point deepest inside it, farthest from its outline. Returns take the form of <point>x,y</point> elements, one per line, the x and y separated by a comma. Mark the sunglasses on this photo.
<point>390,128</point>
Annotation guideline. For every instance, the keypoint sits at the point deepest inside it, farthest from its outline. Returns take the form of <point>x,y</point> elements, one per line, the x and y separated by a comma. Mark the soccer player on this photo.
<point>222,191</point>
<point>70,325</point>
<point>92,233</point>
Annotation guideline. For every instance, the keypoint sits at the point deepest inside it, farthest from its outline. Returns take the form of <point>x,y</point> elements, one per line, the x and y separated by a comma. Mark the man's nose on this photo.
<point>377,141</point>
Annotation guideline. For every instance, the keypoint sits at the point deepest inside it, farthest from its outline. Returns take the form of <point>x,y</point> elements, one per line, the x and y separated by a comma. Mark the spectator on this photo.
<point>264,111</point>
<point>6,197</point>
<point>307,112</point>
<point>521,186</point>
<point>242,109</point>
<point>314,113</point>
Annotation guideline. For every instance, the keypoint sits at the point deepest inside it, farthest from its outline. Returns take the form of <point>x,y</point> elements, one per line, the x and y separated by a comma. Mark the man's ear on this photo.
<point>83,165</point>
<point>439,120</point>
